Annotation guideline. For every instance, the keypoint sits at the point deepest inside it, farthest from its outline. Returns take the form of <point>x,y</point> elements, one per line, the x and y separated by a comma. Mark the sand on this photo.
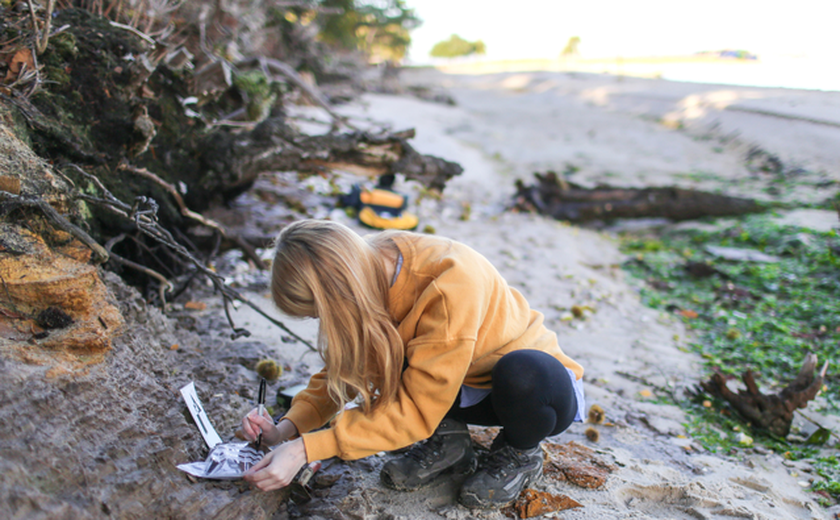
<point>627,132</point>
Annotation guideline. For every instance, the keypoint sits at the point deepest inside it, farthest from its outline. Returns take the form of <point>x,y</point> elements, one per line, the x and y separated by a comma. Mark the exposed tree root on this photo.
<point>144,216</point>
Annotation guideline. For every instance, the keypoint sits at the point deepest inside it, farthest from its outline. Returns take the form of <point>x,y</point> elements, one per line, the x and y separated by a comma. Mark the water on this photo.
<point>801,73</point>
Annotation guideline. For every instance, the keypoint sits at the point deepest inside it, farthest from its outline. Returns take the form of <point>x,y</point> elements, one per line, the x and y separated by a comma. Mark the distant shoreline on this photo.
<point>792,73</point>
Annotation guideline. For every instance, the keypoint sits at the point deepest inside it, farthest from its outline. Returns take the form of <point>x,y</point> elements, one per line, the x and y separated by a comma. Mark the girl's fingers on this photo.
<point>261,422</point>
<point>253,423</point>
<point>272,472</point>
<point>267,481</point>
<point>247,430</point>
<point>263,462</point>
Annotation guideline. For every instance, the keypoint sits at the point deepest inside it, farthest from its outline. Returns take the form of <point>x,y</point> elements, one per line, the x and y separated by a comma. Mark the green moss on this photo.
<point>84,210</point>
<point>57,75</point>
<point>259,93</point>
<point>64,45</point>
<point>17,123</point>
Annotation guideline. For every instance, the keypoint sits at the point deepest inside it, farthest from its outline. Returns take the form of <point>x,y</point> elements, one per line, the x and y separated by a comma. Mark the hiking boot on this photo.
<point>449,449</point>
<point>502,475</point>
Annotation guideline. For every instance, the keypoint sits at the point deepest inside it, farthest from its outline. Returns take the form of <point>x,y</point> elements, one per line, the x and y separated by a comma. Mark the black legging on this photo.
<point>532,398</point>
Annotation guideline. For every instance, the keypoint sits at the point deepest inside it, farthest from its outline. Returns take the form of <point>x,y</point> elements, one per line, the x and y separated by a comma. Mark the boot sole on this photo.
<point>462,468</point>
<point>473,501</point>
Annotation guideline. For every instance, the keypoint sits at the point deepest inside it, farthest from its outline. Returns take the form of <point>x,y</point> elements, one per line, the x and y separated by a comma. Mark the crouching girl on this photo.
<point>427,337</point>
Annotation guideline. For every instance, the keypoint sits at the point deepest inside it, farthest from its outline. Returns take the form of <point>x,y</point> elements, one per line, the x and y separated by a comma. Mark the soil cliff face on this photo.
<point>102,440</point>
<point>111,143</point>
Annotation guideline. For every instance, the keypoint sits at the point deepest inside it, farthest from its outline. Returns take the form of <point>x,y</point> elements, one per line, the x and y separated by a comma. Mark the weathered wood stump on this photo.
<point>772,413</point>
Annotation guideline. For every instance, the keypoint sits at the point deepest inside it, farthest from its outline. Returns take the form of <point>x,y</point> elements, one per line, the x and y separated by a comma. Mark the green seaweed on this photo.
<point>746,315</point>
<point>749,315</point>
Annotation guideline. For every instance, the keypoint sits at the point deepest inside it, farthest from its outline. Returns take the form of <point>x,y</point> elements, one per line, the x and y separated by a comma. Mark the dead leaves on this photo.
<point>195,306</point>
<point>576,464</point>
<point>17,64</point>
<point>533,503</point>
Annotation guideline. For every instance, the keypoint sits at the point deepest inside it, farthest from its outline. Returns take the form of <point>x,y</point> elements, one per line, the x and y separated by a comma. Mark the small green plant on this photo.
<point>829,469</point>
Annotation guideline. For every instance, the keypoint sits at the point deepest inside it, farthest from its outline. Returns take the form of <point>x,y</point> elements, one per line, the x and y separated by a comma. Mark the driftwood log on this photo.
<point>234,161</point>
<point>772,413</point>
<point>564,200</point>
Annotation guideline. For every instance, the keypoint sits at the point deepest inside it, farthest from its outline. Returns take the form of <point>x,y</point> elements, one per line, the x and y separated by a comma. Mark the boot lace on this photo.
<point>503,460</point>
<point>426,452</point>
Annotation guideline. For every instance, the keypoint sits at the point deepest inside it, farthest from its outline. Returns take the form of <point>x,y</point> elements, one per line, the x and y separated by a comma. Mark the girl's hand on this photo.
<point>272,434</point>
<point>277,469</point>
<point>253,423</point>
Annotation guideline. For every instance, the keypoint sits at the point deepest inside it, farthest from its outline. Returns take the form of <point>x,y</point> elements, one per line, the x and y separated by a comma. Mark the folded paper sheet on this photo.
<point>227,460</point>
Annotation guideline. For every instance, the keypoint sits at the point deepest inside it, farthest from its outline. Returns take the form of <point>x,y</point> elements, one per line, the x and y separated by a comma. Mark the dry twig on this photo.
<point>14,201</point>
<point>144,215</point>
<point>44,40</point>
<point>145,37</point>
<point>185,211</point>
<point>311,91</point>
<point>165,285</point>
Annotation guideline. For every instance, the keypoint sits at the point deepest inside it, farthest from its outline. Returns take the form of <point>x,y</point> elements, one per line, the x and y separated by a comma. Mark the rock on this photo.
<point>102,439</point>
<point>743,439</point>
<point>56,296</point>
<point>737,254</point>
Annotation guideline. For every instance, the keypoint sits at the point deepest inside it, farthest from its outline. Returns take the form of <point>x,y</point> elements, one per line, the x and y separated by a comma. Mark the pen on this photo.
<point>261,408</point>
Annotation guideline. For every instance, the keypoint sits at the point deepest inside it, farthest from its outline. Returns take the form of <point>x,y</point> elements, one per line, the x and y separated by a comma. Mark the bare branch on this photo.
<point>291,74</point>
<point>145,37</point>
<point>44,39</point>
<point>144,216</point>
<point>185,211</point>
<point>165,285</point>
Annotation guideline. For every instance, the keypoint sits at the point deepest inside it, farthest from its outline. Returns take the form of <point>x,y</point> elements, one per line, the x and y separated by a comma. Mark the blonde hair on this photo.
<point>324,269</point>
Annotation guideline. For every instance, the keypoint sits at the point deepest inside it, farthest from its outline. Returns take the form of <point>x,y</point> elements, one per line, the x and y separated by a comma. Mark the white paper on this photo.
<point>200,416</point>
<point>227,461</point>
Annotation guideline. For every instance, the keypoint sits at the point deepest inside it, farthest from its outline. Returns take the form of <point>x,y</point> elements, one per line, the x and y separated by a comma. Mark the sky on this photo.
<point>518,29</point>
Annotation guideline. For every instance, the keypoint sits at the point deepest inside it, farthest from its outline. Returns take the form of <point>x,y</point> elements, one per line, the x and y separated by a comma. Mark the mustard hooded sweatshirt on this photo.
<point>457,317</point>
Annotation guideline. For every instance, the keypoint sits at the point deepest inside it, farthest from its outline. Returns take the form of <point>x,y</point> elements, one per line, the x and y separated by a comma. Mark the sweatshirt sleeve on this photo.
<point>439,357</point>
<point>312,407</point>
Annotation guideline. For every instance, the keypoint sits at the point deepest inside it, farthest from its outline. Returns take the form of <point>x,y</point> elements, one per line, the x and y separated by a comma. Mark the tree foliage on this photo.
<point>572,45</point>
<point>379,28</point>
<point>457,46</point>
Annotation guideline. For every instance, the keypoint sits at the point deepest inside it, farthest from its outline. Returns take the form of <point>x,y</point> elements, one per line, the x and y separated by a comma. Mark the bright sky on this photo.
<point>608,28</point>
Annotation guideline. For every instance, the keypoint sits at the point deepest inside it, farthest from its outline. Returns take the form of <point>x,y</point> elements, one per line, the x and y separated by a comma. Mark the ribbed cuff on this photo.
<point>320,445</point>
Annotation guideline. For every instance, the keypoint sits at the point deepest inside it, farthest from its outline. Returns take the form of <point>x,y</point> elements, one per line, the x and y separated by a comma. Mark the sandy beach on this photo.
<point>149,157</point>
<point>624,132</point>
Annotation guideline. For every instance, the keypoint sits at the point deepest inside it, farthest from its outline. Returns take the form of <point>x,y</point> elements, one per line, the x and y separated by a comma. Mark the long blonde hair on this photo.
<point>324,269</point>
